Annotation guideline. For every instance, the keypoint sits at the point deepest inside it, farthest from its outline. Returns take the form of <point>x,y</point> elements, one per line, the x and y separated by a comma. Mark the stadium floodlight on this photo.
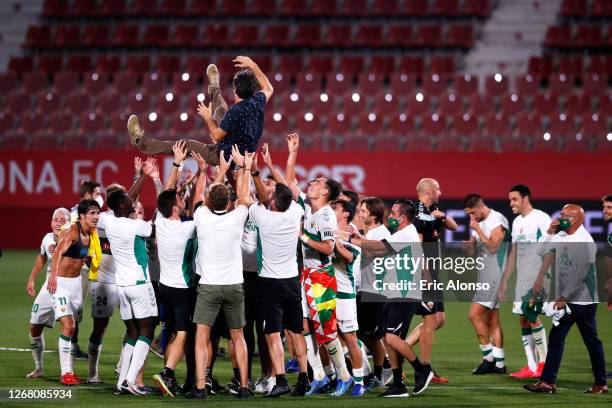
<point>578,136</point>
<point>169,97</point>
<point>609,137</point>
<point>404,78</point>
<point>323,97</point>
<point>308,116</point>
<point>465,117</point>
<point>294,97</point>
<point>200,97</point>
<point>154,76</point>
<point>435,117</point>
<point>388,97</point>
<point>278,77</point>
<point>595,117</point>
<point>185,77</point>
<point>403,117</point>
<point>355,97</point>
<point>514,97</point>
<point>562,117</point>
<point>95,76</point>
<point>498,77</point>
<point>546,136</point>
<point>372,117</point>
<point>419,97</point>
<point>340,117</point>
<point>452,97</point>
<point>435,77</point>
<point>139,96</point>
<point>183,116</point>
<point>339,77</point>
<point>277,117</point>
<point>152,116</point>
<point>309,77</point>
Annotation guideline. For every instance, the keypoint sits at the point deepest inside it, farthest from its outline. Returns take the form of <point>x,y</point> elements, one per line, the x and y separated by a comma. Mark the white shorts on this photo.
<point>137,301</point>
<point>68,298</point>
<point>346,315</point>
<point>103,299</point>
<point>42,309</point>
<point>489,305</point>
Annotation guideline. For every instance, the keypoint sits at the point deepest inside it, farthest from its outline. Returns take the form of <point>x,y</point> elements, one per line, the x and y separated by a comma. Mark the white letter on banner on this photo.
<point>2,177</point>
<point>47,179</point>
<point>24,179</point>
<point>77,176</point>
<point>103,165</point>
<point>354,176</point>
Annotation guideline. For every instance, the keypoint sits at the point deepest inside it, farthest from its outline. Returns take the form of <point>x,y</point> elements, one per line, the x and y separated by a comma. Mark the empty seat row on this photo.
<point>581,36</point>
<point>572,64</point>
<point>584,8</point>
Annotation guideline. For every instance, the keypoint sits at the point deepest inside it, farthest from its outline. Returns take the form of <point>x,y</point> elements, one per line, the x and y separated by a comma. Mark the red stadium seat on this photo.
<point>182,125</point>
<point>545,103</point>
<point>600,64</point>
<point>338,124</point>
<point>320,64</point>
<point>262,7</point>
<point>281,82</point>
<point>450,104</point>
<point>445,8</point>
<point>276,35</point>
<point>384,102</point>
<point>293,7</point>
<point>55,8</point>
<point>384,8</point>
<point>138,64</point>
<point>588,36</point>
<point>401,125</point>
<point>45,142</point>
<point>339,35</point>
<point>418,144</point>
<point>66,36</point>
<point>594,127</point>
<point>389,143</point>
<point>465,85</point>
<point>434,84</point>
<point>184,82</point>
<point>481,145</point>
<point>8,82</point>
<point>496,126</point>
<point>417,104</point>
<point>433,126</point>
<point>560,83</point>
<point>511,104</point>
<point>577,144</point>
<point>126,81</point>
<point>153,123</point>
<point>576,8</point>
<point>578,104</point>
<point>594,84</point>
<point>561,127</point>
<point>168,104</point>
<point>232,8</point>
<point>307,35</point>
<point>428,35</point>
<point>402,83</point>
<point>308,83</point>
<point>292,104</point>
<point>126,35</point>
<point>96,35</point>
<point>354,7</point>
<point>109,101</point>
<point>49,64</point>
<point>7,123</point>
<point>323,8</point>
<point>369,35</point>
<point>185,36</point>
<point>91,123</point>
<point>143,8</point>
<point>353,143</point>
<point>19,65</point>
<point>370,83</point>
<point>460,35</point>
<point>38,36</point>
<point>173,8</point>
<point>216,35</point>
<point>540,65</point>
<point>412,65</point>
<point>154,83</point>
<point>541,145</point>
<point>481,105</point>
<point>415,8</point>
<point>571,65</point>
<point>112,7</point>
<point>307,123</point>
<point>321,104</point>
<point>338,83</point>
<point>370,124</point>
<point>203,8</point>
<point>526,85</point>
<point>513,145</point>
<point>48,103</point>
<point>558,36</point>
<point>464,125</point>
<point>289,65</point>
<point>168,64</point>
<point>528,126</point>
<point>276,123</point>
<point>353,103</point>
<point>382,64</point>
<point>496,84</point>
<point>18,102</point>
<point>602,8</point>
<point>138,102</point>
<point>399,35</point>
<point>442,65</point>
<point>32,123</point>
<point>246,35</point>
<point>108,64</point>
<point>196,64</point>
<point>446,143</point>
<point>351,64</point>
<point>76,142</point>
<point>78,102</point>
<point>34,82</point>
<point>156,35</point>
<point>79,63</point>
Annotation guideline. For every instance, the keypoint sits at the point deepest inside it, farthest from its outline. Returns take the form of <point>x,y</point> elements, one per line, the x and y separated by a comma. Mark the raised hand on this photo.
<point>293,142</point>
<point>243,62</point>
<point>223,164</point>
<point>201,162</point>
<point>248,160</point>
<point>150,168</point>
<point>238,158</point>
<point>137,165</point>
<point>180,151</point>
<point>204,111</point>
<point>265,154</point>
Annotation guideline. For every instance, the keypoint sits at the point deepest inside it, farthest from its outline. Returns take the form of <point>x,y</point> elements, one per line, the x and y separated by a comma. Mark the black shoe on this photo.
<point>300,389</point>
<point>119,391</point>
<point>215,387</point>
<point>422,380</point>
<point>499,370</point>
<point>233,387</point>
<point>244,393</point>
<point>486,367</point>
<point>278,390</point>
<point>166,383</point>
<point>197,394</point>
<point>395,391</point>
<point>188,386</point>
<point>79,354</point>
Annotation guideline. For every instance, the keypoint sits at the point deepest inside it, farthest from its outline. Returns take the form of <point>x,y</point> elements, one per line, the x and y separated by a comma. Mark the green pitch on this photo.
<point>455,354</point>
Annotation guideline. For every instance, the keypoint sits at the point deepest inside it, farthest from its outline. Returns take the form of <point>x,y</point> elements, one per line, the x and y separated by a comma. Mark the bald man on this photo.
<point>430,223</point>
<point>573,250</point>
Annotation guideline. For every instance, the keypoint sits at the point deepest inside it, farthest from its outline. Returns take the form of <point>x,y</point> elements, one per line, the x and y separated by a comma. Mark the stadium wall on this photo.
<point>33,183</point>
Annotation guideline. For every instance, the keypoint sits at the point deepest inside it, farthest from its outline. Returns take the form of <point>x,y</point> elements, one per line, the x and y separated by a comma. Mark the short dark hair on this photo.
<point>406,208</point>
<point>376,207</point>
<point>112,188</point>
<point>86,205</point>
<point>523,190</point>
<point>347,206</point>
<point>471,200</point>
<point>165,201</point>
<point>353,196</point>
<point>119,202</point>
<point>334,188</point>
<point>218,197</point>
<point>607,198</point>
<point>283,196</point>
<point>245,83</point>
<point>87,187</point>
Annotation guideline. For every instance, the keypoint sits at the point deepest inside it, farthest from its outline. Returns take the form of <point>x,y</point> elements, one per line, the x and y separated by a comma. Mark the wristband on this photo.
<point>176,165</point>
<point>350,239</point>
<point>304,238</point>
<point>255,173</point>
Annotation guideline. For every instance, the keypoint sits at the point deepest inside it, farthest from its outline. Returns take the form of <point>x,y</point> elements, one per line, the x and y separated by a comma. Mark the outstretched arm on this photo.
<point>151,169</point>
<point>216,132</point>
<point>180,154</point>
<point>293,143</point>
<point>265,153</point>
<point>223,168</point>
<point>245,62</point>
<point>201,184</point>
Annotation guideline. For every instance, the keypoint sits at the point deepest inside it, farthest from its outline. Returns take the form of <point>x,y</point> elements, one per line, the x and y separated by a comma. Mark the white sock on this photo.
<point>38,348</point>
<point>126,357</point>
<point>314,358</point>
<point>65,354</point>
<point>529,346</point>
<point>329,370</point>
<point>94,358</point>
<point>358,375</point>
<point>539,335</point>
<point>487,351</point>
<point>141,349</point>
<point>334,348</point>
<point>367,370</point>
<point>498,356</point>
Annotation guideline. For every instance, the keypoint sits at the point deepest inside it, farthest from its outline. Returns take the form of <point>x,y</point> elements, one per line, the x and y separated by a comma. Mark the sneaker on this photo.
<point>278,390</point>
<point>233,387</point>
<point>80,354</point>
<point>270,385</point>
<point>539,369</point>
<point>359,390</point>
<point>300,389</point>
<point>524,372</point>
<point>244,393</point>
<point>145,389</point>
<point>438,380</point>
<point>186,388</point>
<point>597,389</point>
<point>119,391</point>
<point>486,367</point>
<point>94,379</point>
<point>342,387</point>
<point>395,391</point>
<point>261,384</point>
<point>372,381</point>
<point>317,385</point>
<point>197,394</point>
<point>70,379</point>
<point>37,373</point>
<point>387,376</point>
<point>422,380</point>
<point>499,370</point>
<point>215,387</point>
<point>133,127</point>
<point>331,385</point>
<point>213,78</point>
<point>165,383</point>
<point>132,388</point>
<point>292,366</point>
<point>541,388</point>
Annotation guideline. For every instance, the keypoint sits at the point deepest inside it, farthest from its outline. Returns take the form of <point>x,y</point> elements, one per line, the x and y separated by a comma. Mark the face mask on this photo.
<point>99,200</point>
<point>393,224</point>
<point>564,224</point>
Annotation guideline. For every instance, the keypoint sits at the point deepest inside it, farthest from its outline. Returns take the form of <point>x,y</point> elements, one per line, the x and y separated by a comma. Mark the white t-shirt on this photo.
<point>47,246</point>
<point>406,242</point>
<point>277,239</point>
<point>319,226</point>
<point>249,246</point>
<point>175,250</point>
<point>366,279</point>
<point>127,240</point>
<point>494,264</point>
<point>528,233</point>
<point>219,245</point>
<point>346,274</point>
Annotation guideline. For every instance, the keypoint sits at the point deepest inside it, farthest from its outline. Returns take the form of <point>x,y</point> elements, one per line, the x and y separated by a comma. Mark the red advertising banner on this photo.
<point>38,179</point>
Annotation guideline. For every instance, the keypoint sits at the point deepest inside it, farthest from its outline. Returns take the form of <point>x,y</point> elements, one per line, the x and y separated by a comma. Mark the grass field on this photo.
<point>455,355</point>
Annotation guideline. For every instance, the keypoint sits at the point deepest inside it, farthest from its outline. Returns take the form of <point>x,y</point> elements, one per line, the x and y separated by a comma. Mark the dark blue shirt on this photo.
<point>243,123</point>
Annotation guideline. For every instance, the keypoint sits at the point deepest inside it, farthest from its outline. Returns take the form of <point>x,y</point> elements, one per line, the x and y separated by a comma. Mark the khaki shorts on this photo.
<point>213,298</point>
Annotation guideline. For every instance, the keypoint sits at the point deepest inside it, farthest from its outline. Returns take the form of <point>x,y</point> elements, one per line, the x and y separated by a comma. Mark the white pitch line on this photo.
<point>24,350</point>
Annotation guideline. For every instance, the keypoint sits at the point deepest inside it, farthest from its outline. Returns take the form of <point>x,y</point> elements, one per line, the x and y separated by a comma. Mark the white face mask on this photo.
<point>99,200</point>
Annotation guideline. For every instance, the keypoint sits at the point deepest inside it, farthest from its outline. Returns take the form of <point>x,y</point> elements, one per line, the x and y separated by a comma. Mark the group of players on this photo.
<point>278,262</point>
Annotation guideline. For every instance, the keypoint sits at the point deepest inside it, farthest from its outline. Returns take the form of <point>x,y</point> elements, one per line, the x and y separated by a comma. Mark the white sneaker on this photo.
<point>37,373</point>
<point>387,376</point>
<point>270,385</point>
<point>94,379</point>
<point>132,388</point>
<point>261,384</point>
